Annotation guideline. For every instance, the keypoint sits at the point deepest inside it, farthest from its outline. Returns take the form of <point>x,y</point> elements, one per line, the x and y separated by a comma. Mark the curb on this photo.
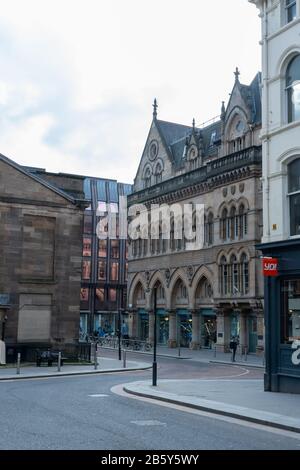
<point>72,374</point>
<point>230,414</point>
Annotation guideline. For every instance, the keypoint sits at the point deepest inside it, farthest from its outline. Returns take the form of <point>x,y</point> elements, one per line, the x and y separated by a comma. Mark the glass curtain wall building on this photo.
<point>104,260</point>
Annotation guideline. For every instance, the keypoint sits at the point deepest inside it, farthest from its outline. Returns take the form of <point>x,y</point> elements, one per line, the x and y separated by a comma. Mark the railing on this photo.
<point>128,344</point>
<point>212,168</point>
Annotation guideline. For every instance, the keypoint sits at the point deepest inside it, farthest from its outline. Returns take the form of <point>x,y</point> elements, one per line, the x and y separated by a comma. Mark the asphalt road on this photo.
<point>83,413</point>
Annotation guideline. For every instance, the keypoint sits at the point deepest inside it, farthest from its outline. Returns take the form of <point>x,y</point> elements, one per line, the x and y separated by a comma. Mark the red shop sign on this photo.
<point>270,267</point>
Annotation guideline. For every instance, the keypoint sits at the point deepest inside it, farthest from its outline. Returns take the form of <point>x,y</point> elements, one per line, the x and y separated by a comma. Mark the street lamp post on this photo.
<point>154,366</point>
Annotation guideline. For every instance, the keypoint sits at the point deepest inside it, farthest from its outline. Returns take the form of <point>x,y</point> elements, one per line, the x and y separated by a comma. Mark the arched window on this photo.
<point>293,89</point>
<point>204,290</point>
<point>224,225</point>
<point>234,276</point>
<point>233,223</point>
<point>223,276</point>
<point>145,246</point>
<point>140,247</point>
<point>244,274</point>
<point>209,229</point>
<point>242,222</point>
<point>158,173</point>
<point>147,178</point>
<point>294,196</point>
<point>160,292</point>
<point>140,293</point>
<point>172,235</point>
<point>291,10</point>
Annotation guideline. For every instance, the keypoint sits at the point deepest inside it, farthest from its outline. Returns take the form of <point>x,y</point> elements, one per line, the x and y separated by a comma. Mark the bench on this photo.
<point>48,356</point>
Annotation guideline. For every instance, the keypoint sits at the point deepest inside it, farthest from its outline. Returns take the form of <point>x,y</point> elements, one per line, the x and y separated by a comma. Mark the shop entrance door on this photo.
<point>252,328</point>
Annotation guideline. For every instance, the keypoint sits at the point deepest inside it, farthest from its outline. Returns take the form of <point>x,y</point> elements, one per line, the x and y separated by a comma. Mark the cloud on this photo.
<point>78,77</point>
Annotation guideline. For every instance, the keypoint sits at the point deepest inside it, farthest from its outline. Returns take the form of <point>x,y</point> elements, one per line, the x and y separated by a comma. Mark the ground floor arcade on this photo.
<point>201,328</point>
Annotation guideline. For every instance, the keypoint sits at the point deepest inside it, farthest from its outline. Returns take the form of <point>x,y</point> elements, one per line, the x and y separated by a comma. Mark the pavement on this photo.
<point>242,399</point>
<point>204,355</point>
<point>105,365</point>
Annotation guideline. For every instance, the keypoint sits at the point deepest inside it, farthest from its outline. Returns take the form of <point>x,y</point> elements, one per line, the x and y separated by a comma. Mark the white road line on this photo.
<point>98,395</point>
<point>148,423</point>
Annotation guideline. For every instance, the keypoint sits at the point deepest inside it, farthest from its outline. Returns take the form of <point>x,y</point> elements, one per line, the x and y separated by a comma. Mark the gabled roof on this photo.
<point>36,178</point>
<point>174,136</point>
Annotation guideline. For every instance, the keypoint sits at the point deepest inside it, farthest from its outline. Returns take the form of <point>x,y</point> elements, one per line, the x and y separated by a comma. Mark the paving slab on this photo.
<point>242,399</point>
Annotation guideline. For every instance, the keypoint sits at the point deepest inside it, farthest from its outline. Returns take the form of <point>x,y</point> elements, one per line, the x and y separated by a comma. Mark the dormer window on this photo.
<point>291,10</point>
<point>213,138</point>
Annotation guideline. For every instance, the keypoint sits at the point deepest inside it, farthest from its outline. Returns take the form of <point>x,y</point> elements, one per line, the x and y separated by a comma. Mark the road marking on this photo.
<point>118,390</point>
<point>148,423</point>
<point>98,395</point>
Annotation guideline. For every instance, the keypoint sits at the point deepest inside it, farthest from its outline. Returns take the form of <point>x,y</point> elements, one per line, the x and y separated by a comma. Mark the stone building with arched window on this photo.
<point>204,296</point>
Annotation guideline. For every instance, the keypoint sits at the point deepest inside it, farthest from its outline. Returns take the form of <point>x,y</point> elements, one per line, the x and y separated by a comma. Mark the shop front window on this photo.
<point>290,312</point>
<point>163,329</point>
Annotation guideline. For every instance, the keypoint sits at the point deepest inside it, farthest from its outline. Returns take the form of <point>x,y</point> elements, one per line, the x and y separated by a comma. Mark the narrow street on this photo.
<point>84,413</point>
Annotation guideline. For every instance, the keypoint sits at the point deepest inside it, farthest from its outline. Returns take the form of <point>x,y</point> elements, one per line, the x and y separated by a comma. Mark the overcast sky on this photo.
<point>78,77</point>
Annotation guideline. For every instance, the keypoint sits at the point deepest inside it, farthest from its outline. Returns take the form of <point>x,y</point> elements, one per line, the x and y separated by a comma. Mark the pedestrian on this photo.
<point>233,346</point>
<point>124,332</point>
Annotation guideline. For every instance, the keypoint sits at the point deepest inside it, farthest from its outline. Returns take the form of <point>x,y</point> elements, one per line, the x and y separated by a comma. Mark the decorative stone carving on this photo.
<point>147,279</point>
<point>168,276</point>
<point>225,192</point>
<point>242,187</point>
<point>233,190</point>
<point>190,274</point>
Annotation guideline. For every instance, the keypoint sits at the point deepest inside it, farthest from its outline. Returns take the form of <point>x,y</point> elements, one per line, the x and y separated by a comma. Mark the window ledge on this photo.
<point>280,129</point>
<point>284,28</point>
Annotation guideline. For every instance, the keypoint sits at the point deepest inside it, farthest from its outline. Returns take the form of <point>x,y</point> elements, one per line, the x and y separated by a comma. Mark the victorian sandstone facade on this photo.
<point>40,260</point>
<point>214,293</point>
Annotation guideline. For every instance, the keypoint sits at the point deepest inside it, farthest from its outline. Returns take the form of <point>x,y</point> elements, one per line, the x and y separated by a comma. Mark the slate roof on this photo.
<point>174,135</point>
<point>252,96</point>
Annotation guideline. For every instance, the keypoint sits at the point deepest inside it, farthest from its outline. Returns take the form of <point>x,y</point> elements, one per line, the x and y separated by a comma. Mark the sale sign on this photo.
<point>270,267</point>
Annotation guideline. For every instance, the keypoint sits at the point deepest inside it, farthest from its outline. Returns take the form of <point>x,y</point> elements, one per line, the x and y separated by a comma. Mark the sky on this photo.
<point>78,77</point>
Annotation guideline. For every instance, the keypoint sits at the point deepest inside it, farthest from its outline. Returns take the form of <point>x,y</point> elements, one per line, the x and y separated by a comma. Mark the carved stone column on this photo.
<point>196,333</point>
<point>173,327</point>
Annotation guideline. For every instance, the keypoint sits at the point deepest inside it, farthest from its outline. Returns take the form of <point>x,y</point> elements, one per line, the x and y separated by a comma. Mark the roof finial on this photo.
<point>223,110</point>
<point>155,106</point>
<point>194,123</point>
<point>237,73</point>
